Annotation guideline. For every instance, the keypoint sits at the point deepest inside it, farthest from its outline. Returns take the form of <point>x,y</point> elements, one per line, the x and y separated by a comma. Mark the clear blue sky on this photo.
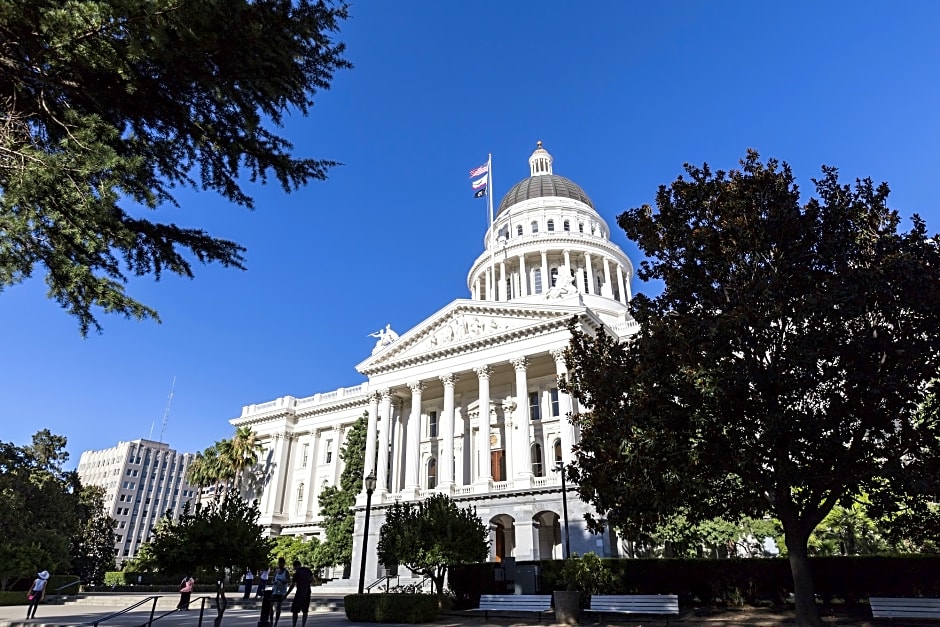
<point>621,93</point>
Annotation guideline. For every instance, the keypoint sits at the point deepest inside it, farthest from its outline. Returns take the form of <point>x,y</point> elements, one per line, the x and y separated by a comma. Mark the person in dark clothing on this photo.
<point>263,581</point>
<point>303,579</point>
<point>186,592</point>
<point>249,579</point>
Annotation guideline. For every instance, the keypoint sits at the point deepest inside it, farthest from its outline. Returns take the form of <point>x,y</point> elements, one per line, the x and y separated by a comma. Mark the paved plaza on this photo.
<point>73,615</point>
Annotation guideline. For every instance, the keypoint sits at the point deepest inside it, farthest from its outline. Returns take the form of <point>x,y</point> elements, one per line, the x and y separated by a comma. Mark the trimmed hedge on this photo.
<point>391,608</point>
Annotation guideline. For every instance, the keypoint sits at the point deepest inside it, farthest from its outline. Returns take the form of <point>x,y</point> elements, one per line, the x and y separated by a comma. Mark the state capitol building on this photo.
<point>467,402</point>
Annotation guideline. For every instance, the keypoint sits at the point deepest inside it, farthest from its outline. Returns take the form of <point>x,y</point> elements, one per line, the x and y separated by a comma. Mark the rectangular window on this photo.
<point>328,456</point>
<point>556,409</point>
<point>432,424</point>
<point>534,409</point>
<point>303,455</point>
<point>537,281</point>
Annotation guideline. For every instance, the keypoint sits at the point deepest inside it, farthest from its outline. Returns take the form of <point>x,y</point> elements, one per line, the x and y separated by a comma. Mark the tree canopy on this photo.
<point>109,106</point>
<point>42,508</point>
<point>216,536</point>
<point>431,535</point>
<point>92,546</point>
<point>782,366</point>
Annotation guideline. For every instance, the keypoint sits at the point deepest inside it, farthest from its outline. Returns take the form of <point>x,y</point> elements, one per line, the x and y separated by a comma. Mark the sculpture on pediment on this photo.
<point>385,337</point>
<point>564,285</point>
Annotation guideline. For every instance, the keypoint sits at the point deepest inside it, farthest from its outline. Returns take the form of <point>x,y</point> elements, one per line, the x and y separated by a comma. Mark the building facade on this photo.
<point>142,480</point>
<point>467,402</point>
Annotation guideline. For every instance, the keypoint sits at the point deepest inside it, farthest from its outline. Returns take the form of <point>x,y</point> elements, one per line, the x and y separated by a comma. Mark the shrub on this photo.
<point>391,608</point>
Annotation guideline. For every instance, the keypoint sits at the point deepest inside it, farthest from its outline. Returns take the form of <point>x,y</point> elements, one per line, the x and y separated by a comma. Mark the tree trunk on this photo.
<point>807,613</point>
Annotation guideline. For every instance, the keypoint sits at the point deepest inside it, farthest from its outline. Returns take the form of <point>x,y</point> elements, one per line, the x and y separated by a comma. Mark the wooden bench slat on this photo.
<point>635,603</point>
<point>904,607</point>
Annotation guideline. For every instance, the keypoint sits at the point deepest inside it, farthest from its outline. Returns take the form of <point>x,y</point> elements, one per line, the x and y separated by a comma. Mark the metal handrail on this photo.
<point>386,579</point>
<point>153,609</point>
<point>126,610</point>
<point>71,583</point>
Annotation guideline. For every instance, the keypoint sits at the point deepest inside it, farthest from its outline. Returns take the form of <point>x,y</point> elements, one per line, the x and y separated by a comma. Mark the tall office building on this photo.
<point>142,480</point>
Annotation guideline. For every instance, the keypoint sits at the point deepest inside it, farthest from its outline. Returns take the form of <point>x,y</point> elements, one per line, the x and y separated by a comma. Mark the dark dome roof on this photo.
<point>541,187</point>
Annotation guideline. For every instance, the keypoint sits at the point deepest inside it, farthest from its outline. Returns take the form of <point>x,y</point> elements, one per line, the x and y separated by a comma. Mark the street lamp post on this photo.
<point>370,487</point>
<point>560,467</point>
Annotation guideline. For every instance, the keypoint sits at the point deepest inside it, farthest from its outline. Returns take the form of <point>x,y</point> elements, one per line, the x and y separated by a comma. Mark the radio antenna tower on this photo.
<point>166,412</point>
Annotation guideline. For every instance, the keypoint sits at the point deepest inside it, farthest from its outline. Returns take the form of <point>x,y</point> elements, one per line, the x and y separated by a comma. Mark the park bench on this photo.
<point>667,604</point>
<point>515,603</point>
<point>897,607</point>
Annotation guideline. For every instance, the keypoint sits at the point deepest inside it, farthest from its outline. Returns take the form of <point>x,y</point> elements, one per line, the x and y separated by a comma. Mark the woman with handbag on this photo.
<point>36,592</point>
<point>186,591</point>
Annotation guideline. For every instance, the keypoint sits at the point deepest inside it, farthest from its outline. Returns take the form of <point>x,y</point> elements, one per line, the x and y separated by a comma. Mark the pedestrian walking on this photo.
<point>186,592</point>
<point>249,580</point>
<point>36,592</point>
<point>263,581</point>
<point>279,585</point>
<point>303,579</point>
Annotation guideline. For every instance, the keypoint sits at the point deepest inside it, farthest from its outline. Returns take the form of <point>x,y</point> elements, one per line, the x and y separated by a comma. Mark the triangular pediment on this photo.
<point>467,325</point>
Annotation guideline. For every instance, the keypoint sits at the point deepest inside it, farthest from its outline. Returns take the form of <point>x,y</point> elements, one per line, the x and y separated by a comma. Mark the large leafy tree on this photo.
<point>92,547</point>
<point>219,535</point>
<point>39,505</point>
<point>309,551</point>
<point>781,368</point>
<point>432,535</point>
<point>336,502</point>
<point>109,106</point>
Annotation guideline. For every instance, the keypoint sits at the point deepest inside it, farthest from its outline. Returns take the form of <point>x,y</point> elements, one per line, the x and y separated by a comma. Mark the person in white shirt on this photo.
<point>36,592</point>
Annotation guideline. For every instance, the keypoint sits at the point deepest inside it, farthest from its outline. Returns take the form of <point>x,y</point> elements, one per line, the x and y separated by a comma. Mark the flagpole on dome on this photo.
<point>489,202</point>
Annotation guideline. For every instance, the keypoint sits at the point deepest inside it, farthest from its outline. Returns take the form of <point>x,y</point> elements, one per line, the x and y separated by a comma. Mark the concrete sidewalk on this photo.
<point>72,615</point>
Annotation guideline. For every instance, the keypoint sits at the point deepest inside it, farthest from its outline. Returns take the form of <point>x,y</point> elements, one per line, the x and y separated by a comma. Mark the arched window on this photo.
<point>538,468</point>
<point>553,278</point>
<point>580,227</point>
<point>557,448</point>
<point>432,473</point>
<point>519,230</point>
<point>550,225</point>
<point>537,280</point>
<point>566,225</point>
<point>535,226</point>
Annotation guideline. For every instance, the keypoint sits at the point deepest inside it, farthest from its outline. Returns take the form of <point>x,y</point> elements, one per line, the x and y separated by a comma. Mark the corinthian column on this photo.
<point>523,457</point>
<point>564,400</point>
<point>412,451</point>
<point>371,437</point>
<point>484,455</point>
<point>385,431</point>
<point>446,463</point>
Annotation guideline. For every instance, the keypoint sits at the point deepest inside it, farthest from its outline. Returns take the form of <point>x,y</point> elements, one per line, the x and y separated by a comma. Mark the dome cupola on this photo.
<point>542,183</point>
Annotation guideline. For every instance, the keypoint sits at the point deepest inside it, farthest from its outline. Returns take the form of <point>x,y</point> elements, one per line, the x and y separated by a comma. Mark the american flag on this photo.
<point>483,169</point>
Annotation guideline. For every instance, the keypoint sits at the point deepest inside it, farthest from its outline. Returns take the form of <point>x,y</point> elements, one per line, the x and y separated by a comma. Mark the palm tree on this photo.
<point>245,452</point>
